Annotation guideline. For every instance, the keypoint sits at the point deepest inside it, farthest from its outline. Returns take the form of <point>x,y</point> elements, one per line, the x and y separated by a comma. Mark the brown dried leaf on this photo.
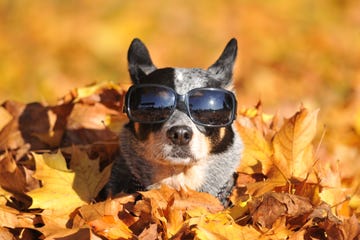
<point>339,230</point>
<point>149,233</point>
<point>183,199</point>
<point>12,178</point>
<point>10,135</point>
<point>55,232</point>
<point>267,209</point>
<point>87,124</point>
<point>11,218</point>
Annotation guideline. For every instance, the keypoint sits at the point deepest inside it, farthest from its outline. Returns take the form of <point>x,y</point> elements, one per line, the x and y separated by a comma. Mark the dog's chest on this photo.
<point>191,177</point>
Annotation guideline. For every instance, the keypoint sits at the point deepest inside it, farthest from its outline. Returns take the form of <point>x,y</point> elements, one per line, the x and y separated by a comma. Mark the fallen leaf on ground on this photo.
<point>57,185</point>
<point>270,207</point>
<point>283,189</point>
<point>293,154</point>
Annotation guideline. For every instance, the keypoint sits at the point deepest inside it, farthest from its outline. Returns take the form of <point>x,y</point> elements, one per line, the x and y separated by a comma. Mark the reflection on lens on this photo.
<point>211,107</point>
<point>149,104</point>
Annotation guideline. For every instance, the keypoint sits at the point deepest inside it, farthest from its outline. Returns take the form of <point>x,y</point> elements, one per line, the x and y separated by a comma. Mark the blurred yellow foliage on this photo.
<point>290,51</point>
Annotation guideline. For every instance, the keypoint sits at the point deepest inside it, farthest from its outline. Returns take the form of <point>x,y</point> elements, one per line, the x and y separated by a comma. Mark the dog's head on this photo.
<point>179,141</point>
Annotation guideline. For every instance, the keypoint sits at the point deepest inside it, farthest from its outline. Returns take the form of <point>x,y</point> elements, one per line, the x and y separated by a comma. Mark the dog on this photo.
<point>183,148</point>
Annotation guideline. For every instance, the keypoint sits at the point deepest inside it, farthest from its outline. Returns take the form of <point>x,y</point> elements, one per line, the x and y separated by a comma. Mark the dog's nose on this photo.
<point>180,135</point>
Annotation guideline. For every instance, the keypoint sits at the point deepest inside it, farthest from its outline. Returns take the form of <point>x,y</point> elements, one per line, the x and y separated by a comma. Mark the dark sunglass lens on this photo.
<point>211,107</point>
<point>149,104</point>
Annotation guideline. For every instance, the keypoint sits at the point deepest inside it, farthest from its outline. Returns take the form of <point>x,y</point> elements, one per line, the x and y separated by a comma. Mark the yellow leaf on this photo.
<point>356,122</point>
<point>355,202</point>
<point>55,161</point>
<point>53,136</point>
<point>175,221</point>
<point>222,226</point>
<point>88,180</point>
<point>279,230</point>
<point>292,145</point>
<point>257,152</point>
<point>57,194</point>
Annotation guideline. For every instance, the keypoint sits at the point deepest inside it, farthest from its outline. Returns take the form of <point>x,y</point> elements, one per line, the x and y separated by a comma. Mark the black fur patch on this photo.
<point>218,144</point>
<point>144,130</point>
<point>213,83</point>
<point>124,180</point>
<point>163,76</point>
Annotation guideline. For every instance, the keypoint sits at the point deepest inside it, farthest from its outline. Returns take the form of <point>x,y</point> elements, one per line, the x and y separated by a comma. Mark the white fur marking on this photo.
<point>192,178</point>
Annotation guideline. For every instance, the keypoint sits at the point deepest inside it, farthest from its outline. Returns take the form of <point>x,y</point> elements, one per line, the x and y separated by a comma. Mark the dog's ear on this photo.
<point>222,69</point>
<point>139,61</point>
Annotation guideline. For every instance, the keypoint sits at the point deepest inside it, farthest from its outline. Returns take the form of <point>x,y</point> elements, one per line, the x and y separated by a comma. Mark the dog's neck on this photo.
<point>154,173</point>
<point>179,176</point>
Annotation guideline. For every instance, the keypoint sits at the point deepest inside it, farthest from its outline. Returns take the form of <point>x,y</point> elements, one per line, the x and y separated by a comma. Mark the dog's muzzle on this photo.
<point>180,135</point>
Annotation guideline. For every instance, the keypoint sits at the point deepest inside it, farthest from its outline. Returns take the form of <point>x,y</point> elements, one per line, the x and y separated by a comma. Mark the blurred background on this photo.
<point>290,52</point>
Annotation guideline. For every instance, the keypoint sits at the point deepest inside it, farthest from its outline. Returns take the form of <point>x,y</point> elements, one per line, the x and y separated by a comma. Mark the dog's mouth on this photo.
<point>179,155</point>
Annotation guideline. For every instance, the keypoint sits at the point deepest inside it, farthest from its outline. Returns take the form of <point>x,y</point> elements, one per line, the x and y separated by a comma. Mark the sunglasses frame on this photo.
<point>181,103</point>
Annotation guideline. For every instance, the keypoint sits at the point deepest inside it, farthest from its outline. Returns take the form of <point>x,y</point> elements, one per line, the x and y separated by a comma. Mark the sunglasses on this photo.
<point>153,103</point>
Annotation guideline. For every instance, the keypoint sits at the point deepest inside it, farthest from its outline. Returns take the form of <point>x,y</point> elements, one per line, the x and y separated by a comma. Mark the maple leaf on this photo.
<point>293,154</point>
<point>265,210</point>
<point>219,226</point>
<point>78,186</point>
<point>183,199</point>
<point>103,218</point>
<point>57,185</point>
<point>88,180</point>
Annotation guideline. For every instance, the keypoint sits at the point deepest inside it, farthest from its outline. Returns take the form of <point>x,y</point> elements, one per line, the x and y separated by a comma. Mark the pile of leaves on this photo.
<point>56,160</point>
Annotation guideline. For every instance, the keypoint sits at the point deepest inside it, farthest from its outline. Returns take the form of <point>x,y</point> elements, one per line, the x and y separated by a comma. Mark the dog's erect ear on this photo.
<point>222,69</point>
<point>139,60</point>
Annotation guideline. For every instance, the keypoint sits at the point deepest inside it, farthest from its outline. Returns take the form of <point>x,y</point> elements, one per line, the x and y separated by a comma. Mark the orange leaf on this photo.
<point>221,226</point>
<point>183,199</point>
<point>111,227</point>
<point>292,145</point>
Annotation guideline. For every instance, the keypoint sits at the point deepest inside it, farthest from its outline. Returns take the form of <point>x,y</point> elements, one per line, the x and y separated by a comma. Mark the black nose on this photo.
<point>180,135</point>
